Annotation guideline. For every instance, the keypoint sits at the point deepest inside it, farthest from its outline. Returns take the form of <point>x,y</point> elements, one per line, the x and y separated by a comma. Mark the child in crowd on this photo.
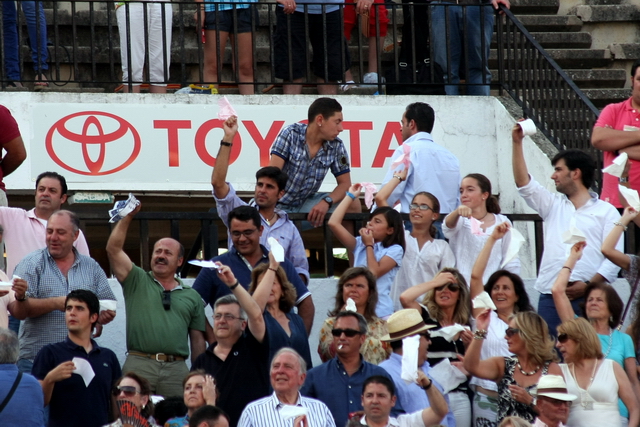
<point>379,247</point>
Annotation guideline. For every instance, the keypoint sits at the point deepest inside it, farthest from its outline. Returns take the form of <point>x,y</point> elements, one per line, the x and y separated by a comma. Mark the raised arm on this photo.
<point>120,262</point>
<point>14,156</point>
<point>438,407</point>
<point>335,222</point>
<point>477,287</point>
<point>520,171</point>
<point>263,290</point>
<point>609,244</point>
<point>559,288</point>
<point>408,298</point>
<point>386,263</point>
<point>451,220</point>
<point>382,196</point>
<point>489,369</point>
<point>219,173</point>
<point>254,314</point>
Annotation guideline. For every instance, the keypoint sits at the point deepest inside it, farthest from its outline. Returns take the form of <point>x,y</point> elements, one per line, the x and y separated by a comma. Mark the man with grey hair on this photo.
<point>238,359</point>
<point>338,382</point>
<point>288,373</point>
<point>25,406</point>
<point>47,276</point>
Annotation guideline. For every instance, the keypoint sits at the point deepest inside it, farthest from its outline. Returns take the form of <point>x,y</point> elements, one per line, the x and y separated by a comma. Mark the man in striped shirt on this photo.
<point>288,372</point>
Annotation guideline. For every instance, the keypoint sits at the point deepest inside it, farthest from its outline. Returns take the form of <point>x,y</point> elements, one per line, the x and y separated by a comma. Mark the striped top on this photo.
<point>266,412</point>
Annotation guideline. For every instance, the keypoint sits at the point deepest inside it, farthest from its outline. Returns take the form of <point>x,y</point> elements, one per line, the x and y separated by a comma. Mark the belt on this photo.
<point>159,357</point>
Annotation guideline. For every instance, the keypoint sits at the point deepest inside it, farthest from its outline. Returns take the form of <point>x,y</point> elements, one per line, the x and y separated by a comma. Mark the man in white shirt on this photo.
<point>552,402</point>
<point>574,206</point>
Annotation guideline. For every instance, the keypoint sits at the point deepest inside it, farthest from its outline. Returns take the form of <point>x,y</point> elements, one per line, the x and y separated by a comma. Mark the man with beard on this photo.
<point>161,312</point>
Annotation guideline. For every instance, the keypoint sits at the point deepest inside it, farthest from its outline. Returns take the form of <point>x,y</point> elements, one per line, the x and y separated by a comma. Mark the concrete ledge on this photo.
<point>630,51</point>
<point>608,13</point>
<point>551,23</point>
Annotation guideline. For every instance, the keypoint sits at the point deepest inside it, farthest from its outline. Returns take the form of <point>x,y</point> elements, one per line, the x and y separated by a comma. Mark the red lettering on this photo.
<point>392,129</point>
<point>354,129</point>
<point>201,142</point>
<point>172,127</point>
<point>263,143</point>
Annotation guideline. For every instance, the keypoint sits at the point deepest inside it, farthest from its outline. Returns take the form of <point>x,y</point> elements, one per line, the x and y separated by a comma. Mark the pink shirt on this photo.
<point>4,303</point>
<point>616,116</point>
<point>25,233</point>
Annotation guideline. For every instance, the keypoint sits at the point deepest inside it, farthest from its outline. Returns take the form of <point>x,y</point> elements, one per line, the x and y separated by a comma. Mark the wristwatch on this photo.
<point>328,200</point>
<point>24,298</point>
<point>623,179</point>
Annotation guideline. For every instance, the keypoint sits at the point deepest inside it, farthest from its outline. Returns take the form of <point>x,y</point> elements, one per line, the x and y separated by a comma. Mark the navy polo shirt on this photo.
<point>72,403</point>
<point>210,287</point>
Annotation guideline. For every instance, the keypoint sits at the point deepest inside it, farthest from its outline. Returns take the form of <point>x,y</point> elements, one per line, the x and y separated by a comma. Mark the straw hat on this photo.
<point>404,323</point>
<point>554,387</point>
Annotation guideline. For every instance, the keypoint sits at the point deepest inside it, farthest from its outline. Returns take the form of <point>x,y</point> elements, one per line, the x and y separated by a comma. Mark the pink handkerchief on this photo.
<point>226,110</point>
<point>476,227</point>
<point>369,190</point>
<point>404,159</point>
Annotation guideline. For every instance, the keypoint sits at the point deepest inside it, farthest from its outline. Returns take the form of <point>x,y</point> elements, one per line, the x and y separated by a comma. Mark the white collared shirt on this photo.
<point>404,420</point>
<point>538,423</point>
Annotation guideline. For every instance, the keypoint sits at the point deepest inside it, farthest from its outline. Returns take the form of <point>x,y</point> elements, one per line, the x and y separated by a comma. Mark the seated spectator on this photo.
<point>288,373</point>
<point>28,393</point>
<point>359,284</point>
<point>199,390</point>
<point>209,416</point>
<point>552,402</point>
<point>169,407</point>
<point>71,401</point>
<point>598,382</point>
<point>478,204</point>
<point>338,381</point>
<point>137,390</point>
<point>529,341</point>
<point>276,297</point>
<point>379,397</point>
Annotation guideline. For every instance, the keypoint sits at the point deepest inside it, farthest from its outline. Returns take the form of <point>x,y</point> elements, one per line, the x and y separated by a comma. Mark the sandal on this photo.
<point>41,81</point>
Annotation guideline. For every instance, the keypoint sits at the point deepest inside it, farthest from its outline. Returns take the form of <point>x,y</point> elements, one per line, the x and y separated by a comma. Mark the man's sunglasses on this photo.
<point>348,332</point>
<point>166,300</point>
<point>128,390</point>
<point>453,287</point>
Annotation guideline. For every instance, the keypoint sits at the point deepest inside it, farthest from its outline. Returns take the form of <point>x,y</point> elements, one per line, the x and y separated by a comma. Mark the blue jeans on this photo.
<point>37,28</point>
<point>547,310</point>
<point>478,30</point>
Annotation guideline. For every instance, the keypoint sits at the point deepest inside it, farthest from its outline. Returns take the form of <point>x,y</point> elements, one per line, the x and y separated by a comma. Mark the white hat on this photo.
<point>554,387</point>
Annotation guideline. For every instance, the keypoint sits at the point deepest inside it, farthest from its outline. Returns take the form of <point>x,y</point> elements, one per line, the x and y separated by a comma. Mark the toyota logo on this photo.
<point>79,143</point>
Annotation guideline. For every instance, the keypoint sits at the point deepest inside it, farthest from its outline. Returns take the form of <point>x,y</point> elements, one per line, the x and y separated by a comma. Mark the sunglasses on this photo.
<point>350,333</point>
<point>128,390</point>
<point>453,287</point>
<point>166,300</point>
<point>562,338</point>
<point>509,332</point>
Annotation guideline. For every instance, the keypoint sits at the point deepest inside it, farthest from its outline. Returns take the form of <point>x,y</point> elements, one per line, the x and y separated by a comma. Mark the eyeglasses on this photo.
<point>166,300</point>
<point>350,333</point>
<point>562,338</point>
<point>228,317</point>
<point>128,390</point>
<point>453,287</point>
<point>509,332</point>
<point>245,233</point>
<point>421,207</point>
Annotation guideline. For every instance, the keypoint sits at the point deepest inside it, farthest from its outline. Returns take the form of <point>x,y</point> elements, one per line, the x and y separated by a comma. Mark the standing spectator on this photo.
<point>466,24</point>
<point>72,401</point>
<point>47,276</point>
<point>142,26</point>
<point>222,21</point>
<point>161,312</point>
<point>37,28</point>
<point>28,393</point>
<point>574,206</point>
<point>10,140</point>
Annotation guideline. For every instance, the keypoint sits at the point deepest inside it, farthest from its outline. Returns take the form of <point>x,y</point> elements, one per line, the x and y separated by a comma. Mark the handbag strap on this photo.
<point>626,308</point>
<point>13,390</point>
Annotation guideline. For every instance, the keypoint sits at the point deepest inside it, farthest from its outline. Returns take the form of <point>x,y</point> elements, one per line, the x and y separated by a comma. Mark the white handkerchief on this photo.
<point>226,109</point>
<point>205,263</point>
<point>289,412</point>
<point>276,248</point>
<point>351,305</point>
<point>476,228</point>
<point>617,166</point>
<point>155,398</point>
<point>447,375</point>
<point>573,236</point>
<point>449,332</point>
<point>409,371</point>
<point>5,286</point>
<point>84,369</point>
<point>483,300</point>
<point>631,196</point>
<point>107,304</point>
<point>517,240</point>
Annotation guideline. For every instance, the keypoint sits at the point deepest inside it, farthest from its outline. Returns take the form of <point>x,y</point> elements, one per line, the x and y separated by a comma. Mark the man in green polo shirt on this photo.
<point>161,312</point>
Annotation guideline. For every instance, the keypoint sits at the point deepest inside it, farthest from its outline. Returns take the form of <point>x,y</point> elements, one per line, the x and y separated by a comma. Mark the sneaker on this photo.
<point>372,79</point>
<point>198,89</point>
<point>348,85</point>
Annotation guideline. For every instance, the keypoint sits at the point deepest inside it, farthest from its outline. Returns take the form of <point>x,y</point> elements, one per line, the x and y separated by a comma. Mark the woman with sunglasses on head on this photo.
<point>199,390</point>
<point>276,297</point>
<point>533,356</point>
<point>478,204</point>
<point>446,303</point>
<point>603,309</point>
<point>137,390</point>
<point>598,382</point>
<point>359,284</point>
<point>508,294</point>
<point>424,255</point>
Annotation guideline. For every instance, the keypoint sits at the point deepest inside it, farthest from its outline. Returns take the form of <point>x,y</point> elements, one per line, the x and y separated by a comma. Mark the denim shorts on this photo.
<point>222,20</point>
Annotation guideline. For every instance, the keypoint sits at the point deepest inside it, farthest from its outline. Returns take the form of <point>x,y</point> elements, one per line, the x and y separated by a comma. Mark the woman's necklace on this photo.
<point>585,400</point>
<point>525,373</point>
<point>610,342</point>
<point>485,215</point>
